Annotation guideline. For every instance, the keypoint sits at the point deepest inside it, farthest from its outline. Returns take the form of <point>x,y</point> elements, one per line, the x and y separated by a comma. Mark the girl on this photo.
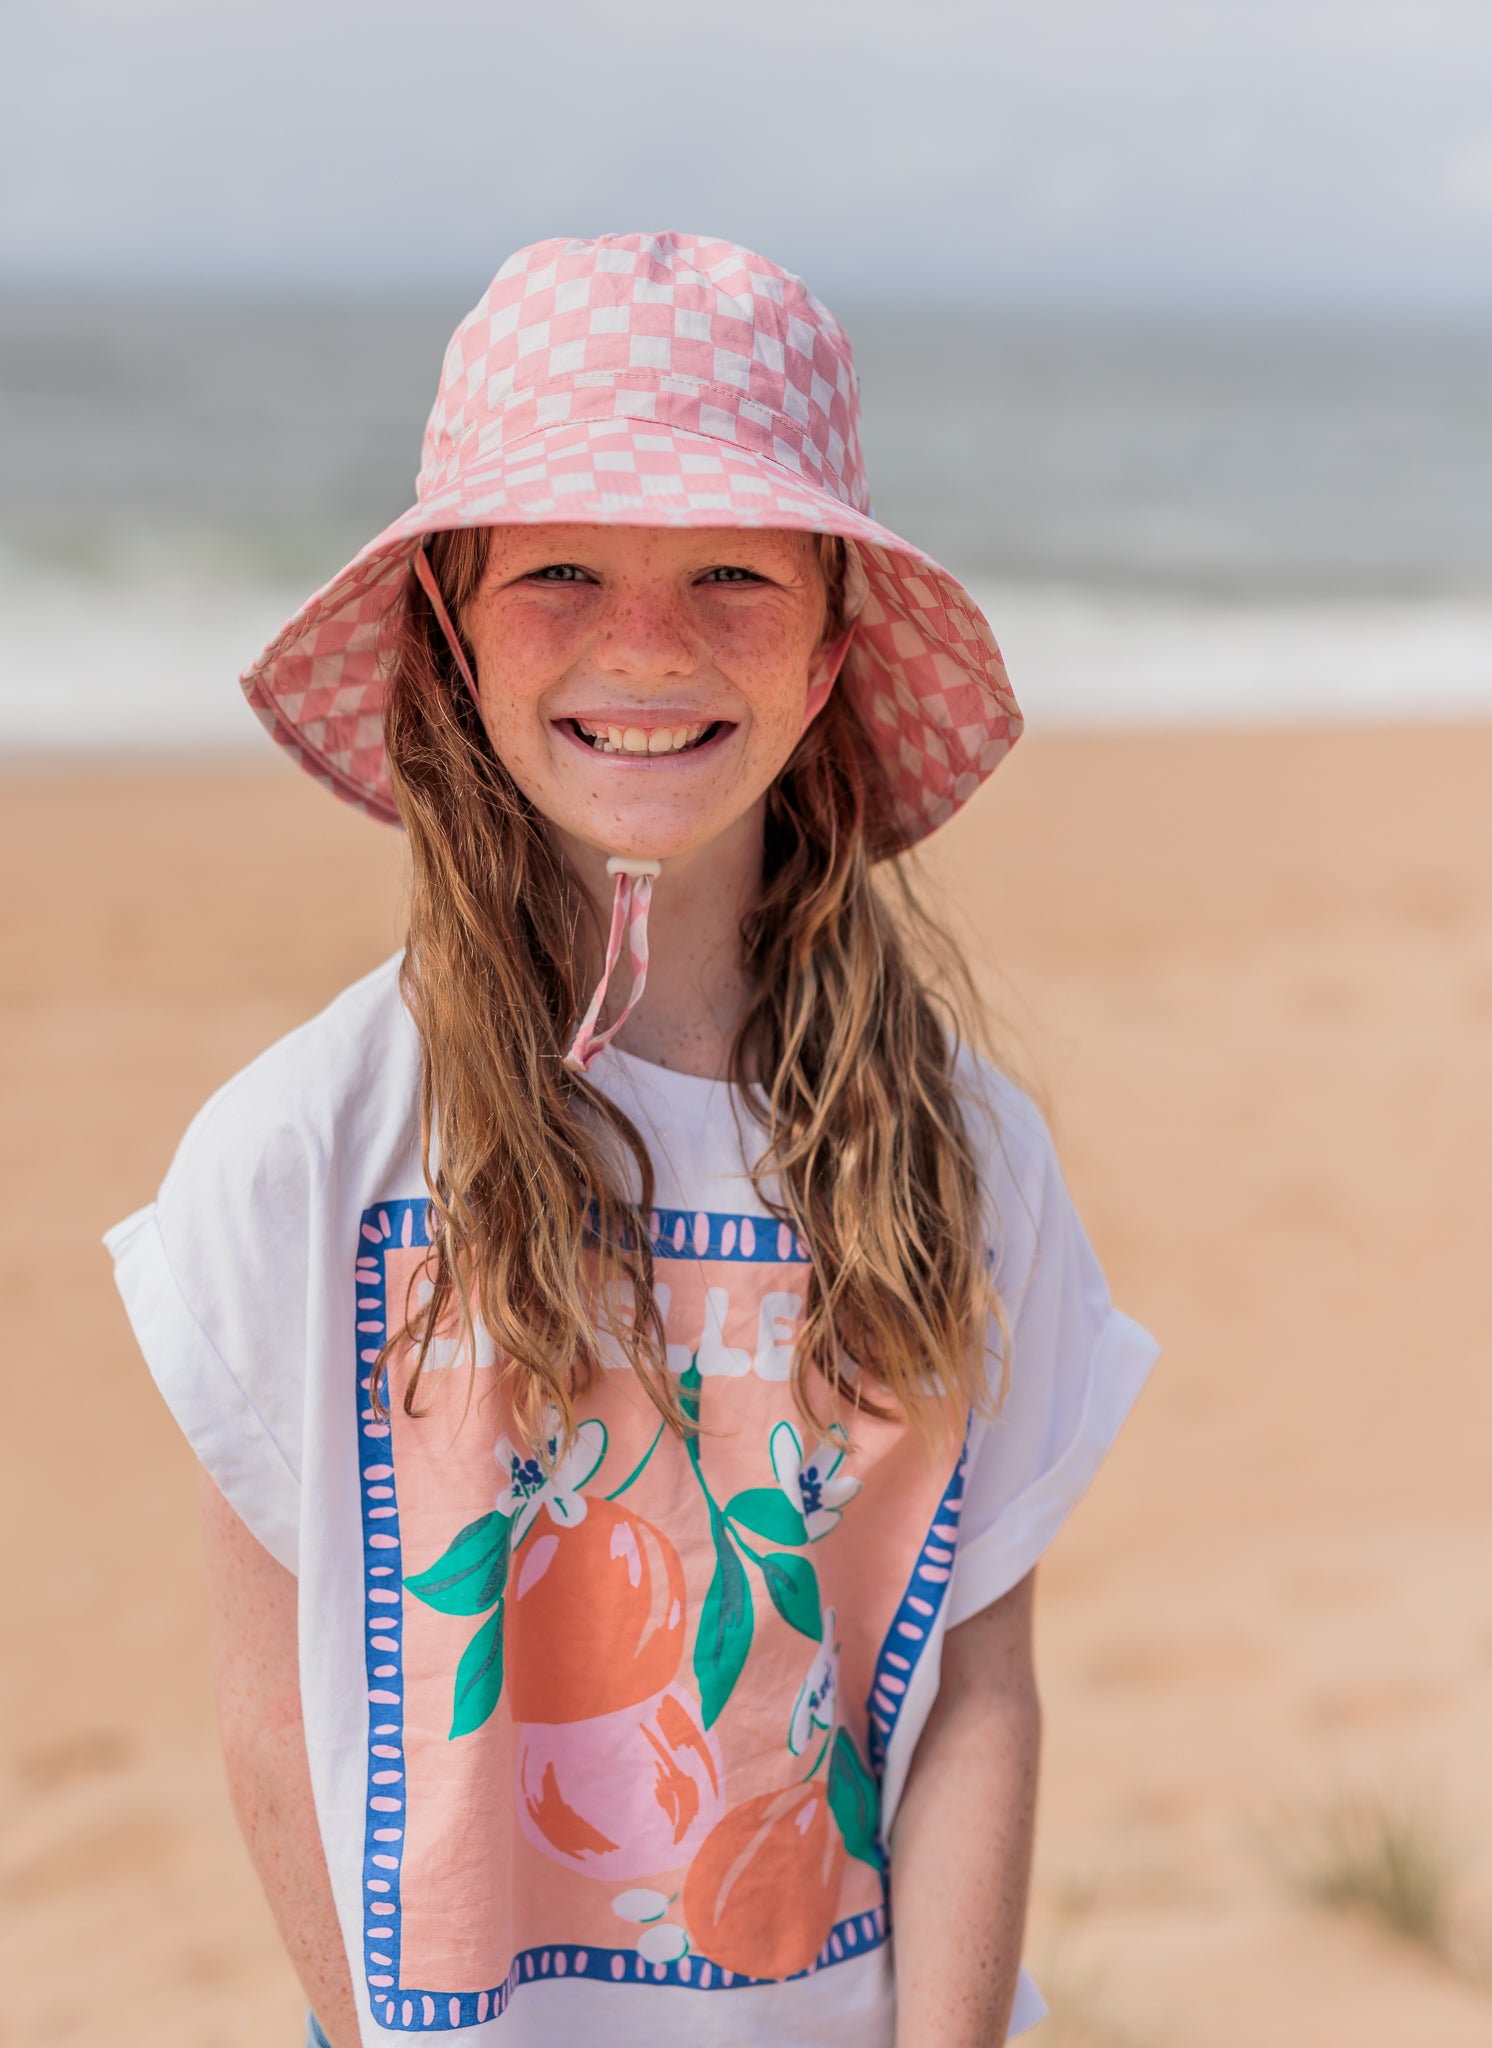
<point>630,1421</point>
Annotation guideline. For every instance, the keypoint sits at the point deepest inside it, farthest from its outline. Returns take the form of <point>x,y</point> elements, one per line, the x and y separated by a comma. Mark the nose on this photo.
<point>644,637</point>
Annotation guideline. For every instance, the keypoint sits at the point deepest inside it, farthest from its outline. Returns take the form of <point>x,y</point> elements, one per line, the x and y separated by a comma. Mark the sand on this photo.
<point>1252,977</point>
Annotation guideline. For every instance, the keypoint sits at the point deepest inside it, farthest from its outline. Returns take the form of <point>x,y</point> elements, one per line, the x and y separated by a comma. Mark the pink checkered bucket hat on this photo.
<point>655,380</point>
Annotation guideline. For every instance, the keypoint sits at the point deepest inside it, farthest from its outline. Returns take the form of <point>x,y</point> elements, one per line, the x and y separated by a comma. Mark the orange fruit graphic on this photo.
<point>622,1796</point>
<point>761,1894</point>
<point>595,1618</point>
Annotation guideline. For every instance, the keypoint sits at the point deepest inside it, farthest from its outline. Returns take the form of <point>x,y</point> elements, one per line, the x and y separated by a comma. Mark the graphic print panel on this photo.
<point>618,1716</point>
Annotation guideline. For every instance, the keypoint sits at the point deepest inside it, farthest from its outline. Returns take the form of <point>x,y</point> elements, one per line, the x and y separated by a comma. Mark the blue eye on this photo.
<point>731,574</point>
<point>559,572</point>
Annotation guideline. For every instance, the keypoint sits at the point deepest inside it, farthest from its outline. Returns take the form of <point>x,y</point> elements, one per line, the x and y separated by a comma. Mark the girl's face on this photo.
<point>644,685</point>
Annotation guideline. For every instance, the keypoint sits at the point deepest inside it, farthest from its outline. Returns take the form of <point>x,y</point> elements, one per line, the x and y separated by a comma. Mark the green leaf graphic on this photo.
<point>854,1800</point>
<point>794,1587</point>
<point>479,1677</point>
<point>767,1511</point>
<point>725,1627</point>
<point>471,1574</point>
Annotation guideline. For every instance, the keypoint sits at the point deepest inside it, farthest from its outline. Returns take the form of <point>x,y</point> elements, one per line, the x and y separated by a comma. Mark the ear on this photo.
<point>823,672</point>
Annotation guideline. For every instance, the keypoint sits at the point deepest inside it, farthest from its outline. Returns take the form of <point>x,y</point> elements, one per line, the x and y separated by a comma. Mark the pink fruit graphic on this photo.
<point>595,1616</point>
<point>761,1893</point>
<point>622,1795</point>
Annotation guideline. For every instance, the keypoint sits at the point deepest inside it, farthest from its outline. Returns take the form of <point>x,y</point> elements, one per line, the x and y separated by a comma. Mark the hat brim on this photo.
<point>923,667</point>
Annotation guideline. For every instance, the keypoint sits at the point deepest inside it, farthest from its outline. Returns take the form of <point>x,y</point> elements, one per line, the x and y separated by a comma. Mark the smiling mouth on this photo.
<point>638,741</point>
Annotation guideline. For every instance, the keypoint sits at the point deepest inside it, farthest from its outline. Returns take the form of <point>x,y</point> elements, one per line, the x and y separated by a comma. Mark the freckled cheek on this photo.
<point>779,726</point>
<point>523,652</point>
<point>768,663</point>
<point>513,687</point>
<point>761,638</point>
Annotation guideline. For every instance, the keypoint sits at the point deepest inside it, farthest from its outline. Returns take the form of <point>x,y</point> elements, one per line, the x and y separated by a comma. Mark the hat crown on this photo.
<point>699,336</point>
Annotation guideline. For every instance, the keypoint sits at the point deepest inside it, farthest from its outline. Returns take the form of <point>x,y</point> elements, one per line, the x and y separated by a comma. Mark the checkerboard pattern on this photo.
<point>657,380</point>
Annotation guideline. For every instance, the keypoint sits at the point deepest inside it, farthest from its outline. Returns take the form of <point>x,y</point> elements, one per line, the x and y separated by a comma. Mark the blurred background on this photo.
<point>1175,333</point>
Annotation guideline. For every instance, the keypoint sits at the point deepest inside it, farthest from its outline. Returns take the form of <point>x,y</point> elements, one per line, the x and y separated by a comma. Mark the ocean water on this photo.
<point>1165,524</point>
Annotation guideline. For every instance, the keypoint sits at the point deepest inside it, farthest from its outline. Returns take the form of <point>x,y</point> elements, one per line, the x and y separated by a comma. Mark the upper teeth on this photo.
<point>632,739</point>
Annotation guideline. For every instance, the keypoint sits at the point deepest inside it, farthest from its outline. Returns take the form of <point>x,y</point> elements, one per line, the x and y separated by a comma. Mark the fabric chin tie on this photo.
<point>629,921</point>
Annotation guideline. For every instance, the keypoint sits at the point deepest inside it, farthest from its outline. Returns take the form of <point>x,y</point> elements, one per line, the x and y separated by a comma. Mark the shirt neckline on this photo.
<point>667,1079</point>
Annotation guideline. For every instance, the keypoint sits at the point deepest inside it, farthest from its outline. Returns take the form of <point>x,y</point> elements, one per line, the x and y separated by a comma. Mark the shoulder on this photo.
<point>1012,1144</point>
<point>1071,1364</point>
<point>313,1093</point>
<point>224,1274</point>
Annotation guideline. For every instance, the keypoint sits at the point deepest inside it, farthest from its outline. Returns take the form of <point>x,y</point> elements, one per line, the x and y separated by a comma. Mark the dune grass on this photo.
<point>1391,1858</point>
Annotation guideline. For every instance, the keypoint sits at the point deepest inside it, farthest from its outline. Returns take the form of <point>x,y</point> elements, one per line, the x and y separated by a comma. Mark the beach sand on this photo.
<point>1251,977</point>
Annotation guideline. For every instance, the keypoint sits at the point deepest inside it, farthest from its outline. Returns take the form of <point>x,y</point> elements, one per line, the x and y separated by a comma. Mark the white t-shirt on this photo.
<point>610,1754</point>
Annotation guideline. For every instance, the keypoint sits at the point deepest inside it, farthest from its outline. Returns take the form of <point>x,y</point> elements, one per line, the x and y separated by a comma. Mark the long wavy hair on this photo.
<point>540,1187</point>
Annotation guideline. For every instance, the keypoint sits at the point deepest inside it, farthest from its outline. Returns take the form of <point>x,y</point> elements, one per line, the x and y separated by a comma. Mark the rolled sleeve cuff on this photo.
<point>214,1413</point>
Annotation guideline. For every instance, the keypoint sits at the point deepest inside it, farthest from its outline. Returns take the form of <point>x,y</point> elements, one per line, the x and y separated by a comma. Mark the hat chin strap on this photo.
<point>431,589</point>
<point>634,878</point>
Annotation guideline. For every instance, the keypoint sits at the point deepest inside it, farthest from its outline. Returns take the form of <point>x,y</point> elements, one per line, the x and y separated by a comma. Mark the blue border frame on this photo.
<point>915,1617</point>
<point>676,1234</point>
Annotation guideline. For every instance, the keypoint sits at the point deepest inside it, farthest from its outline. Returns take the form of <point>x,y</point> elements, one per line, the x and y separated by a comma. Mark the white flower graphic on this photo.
<point>819,1692</point>
<point>663,1943</point>
<point>641,1904</point>
<point>529,1487</point>
<point>814,1485</point>
<point>660,1940</point>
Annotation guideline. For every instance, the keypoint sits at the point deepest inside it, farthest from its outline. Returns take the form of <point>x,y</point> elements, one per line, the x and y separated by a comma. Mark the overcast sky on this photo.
<point>1301,154</point>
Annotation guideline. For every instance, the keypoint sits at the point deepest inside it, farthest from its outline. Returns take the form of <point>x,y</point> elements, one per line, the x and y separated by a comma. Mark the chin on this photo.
<point>664,842</point>
<point>662,832</point>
